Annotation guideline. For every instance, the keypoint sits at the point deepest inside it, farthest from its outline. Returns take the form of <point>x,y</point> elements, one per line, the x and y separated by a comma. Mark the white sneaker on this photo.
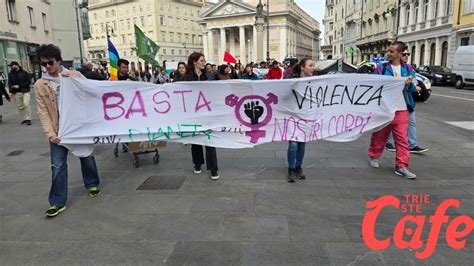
<point>374,162</point>
<point>214,176</point>
<point>197,170</point>
<point>405,173</point>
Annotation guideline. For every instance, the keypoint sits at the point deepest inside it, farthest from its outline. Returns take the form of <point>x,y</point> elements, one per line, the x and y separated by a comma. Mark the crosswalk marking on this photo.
<point>469,125</point>
<point>459,98</point>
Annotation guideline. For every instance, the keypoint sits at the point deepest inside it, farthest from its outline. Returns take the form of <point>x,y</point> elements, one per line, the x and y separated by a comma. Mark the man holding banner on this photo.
<point>47,91</point>
<point>396,68</point>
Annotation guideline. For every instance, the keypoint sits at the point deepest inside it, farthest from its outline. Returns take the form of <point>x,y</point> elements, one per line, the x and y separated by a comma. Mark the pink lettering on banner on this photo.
<point>346,123</point>
<point>106,105</point>
<point>141,106</point>
<point>205,103</point>
<point>167,103</point>
<point>182,97</point>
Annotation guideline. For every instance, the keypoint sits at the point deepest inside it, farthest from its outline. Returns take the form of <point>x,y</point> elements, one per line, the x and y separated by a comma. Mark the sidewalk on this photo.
<point>251,216</point>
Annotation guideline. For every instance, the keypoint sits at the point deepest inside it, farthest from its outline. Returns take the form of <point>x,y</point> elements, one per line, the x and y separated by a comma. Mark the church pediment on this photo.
<point>228,8</point>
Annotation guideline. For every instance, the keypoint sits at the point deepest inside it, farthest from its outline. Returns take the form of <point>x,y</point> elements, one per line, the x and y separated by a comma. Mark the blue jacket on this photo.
<point>407,70</point>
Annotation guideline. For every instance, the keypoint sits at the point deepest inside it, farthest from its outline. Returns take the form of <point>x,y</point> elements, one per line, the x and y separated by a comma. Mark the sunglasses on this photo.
<point>50,62</point>
<point>406,54</point>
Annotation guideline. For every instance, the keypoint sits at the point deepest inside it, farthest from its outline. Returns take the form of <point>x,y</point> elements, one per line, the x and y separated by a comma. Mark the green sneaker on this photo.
<point>94,192</point>
<point>54,211</point>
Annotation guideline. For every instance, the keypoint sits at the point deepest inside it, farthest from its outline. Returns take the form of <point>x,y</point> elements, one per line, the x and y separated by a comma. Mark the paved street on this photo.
<point>251,216</point>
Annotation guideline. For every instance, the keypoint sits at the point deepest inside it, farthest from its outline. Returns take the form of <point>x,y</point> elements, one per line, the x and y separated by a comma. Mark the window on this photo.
<point>10,10</point>
<point>45,22</point>
<point>121,24</point>
<point>178,22</point>
<point>124,41</point>
<point>180,52</point>
<point>162,21</point>
<point>133,9</point>
<point>180,37</point>
<point>163,36</point>
<point>468,6</point>
<point>128,23</point>
<point>171,36</point>
<point>417,6</point>
<point>124,53</point>
<point>32,16</point>
<point>436,9</point>
<point>161,6</point>
<point>425,11</point>
<point>107,14</point>
<point>464,41</point>
<point>95,15</point>
<point>142,20</point>
<point>164,51</point>
<point>407,15</point>
<point>141,9</point>
<point>170,21</point>
<point>150,21</point>
<point>449,6</point>
<point>172,51</point>
<point>113,13</point>
<point>102,27</point>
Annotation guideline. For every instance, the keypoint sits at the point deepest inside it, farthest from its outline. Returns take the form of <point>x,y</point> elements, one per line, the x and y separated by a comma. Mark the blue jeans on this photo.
<point>58,192</point>
<point>412,140</point>
<point>295,154</point>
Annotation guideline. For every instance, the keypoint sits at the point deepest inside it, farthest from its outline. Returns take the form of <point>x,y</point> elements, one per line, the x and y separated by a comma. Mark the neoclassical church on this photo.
<point>238,27</point>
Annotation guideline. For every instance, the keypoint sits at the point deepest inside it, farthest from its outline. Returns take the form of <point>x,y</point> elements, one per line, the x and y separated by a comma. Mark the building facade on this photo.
<point>24,25</point>
<point>425,26</point>
<point>231,26</point>
<point>378,28</point>
<point>463,27</point>
<point>328,22</point>
<point>169,23</point>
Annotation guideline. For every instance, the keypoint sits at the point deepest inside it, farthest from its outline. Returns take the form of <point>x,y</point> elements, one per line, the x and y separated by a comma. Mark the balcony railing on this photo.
<point>433,22</point>
<point>422,25</point>
<point>445,20</point>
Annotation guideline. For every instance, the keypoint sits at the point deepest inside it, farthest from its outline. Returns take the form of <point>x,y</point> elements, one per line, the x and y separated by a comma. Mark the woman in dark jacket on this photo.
<point>225,72</point>
<point>248,73</point>
<point>180,74</point>
<point>195,71</point>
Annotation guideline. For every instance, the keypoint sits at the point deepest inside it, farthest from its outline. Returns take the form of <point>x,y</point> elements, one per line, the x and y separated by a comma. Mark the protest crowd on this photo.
<point>399,136</point>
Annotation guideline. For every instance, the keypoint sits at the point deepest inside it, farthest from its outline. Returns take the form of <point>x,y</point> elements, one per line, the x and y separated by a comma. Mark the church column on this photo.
<point>222,49</point>
<point>283,43</point>
<point>205,45</point>
<point>232,41</point>
<point>255,44</point>
<point>438,51</point>
<point>242,40</point>
<point>427,53</point>
<point>210,44</point>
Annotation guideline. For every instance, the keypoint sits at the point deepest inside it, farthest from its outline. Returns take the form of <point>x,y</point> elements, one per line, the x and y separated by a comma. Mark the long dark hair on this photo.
<point>192,59</point>
<point>297,68</point>
<point>251,68</point>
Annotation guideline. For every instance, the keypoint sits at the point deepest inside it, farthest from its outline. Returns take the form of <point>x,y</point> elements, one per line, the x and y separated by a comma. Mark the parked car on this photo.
<point>438,75</point>
<point>423,82</point>
<point>463,66</point>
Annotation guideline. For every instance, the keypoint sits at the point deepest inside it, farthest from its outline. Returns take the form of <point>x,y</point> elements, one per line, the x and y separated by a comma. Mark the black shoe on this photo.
<point>197,169</point>
<point>214,175</point>
<point>94,192</point>
<point>28,122</point>
<point>390,147</point>
<point>23,122</point>
<point>291,175</point>
<point>54,211</point>
<point>418,150</point>
<point>299,173</point>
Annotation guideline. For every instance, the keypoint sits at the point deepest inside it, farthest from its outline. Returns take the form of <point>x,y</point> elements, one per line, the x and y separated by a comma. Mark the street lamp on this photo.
<point>259,12</point>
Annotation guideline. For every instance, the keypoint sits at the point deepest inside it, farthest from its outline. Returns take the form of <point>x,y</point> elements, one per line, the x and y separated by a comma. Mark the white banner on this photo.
<point>228,114</point>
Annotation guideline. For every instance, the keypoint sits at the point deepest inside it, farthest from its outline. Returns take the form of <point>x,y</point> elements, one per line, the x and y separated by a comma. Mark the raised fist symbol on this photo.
<point>254,111</point>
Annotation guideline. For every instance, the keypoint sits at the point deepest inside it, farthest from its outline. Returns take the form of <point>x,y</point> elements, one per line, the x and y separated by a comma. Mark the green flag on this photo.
<point>146,48</point>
